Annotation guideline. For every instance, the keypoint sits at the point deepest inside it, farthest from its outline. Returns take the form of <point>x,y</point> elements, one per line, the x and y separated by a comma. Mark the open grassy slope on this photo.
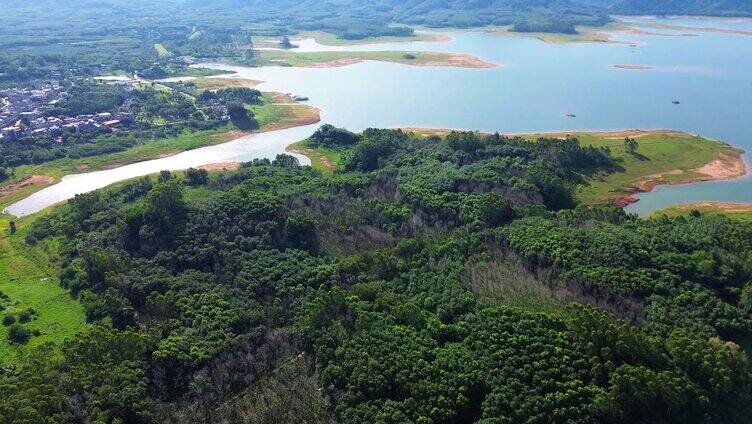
<point>161,50</point>
<point>663,157</point>
<point>323,159</point>
<point>29,277</point>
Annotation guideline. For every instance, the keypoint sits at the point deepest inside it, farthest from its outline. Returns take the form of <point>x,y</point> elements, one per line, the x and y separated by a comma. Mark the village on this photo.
<point>25,113</point>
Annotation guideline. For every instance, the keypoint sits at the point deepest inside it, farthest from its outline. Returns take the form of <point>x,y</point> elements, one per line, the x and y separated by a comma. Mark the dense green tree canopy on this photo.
<point>428,280</point>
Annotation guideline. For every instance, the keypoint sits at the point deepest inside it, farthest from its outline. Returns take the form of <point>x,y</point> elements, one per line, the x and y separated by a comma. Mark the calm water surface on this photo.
<point>533,88</point>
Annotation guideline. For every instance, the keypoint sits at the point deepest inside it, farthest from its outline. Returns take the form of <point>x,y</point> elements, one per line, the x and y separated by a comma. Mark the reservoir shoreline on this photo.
<point>569,91</point>
<point>722,169</point>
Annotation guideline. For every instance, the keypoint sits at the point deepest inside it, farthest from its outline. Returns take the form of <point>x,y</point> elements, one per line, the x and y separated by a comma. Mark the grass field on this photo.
<point>174,71</point>
<point>663,157</point>
<point>162,50</point>
<point>280,111</point>
<point>203,72</point>
<point>742,211</point>
<point>29,277</point>
<point>327,59</point>
<point>324,160</point>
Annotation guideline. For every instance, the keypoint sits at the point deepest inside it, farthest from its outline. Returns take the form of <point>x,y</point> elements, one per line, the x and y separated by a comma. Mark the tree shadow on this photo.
<point>639,156</point>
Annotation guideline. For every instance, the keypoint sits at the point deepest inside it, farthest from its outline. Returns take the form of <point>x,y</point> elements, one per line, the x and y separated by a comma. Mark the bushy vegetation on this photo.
<point>89,98</point>
<point>201,288</point>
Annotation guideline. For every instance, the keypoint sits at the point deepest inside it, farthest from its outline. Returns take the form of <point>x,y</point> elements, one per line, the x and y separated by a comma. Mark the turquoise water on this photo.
<point>533,88</point>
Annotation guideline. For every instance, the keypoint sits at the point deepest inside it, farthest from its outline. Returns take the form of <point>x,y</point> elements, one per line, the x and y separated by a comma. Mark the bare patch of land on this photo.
<point>222,166</point>
<point>204,84</point>
<point>428,132</point>
<point>337,63</point>
<point>34,180</point>
<point>726,167</point>
<point>319,159</point>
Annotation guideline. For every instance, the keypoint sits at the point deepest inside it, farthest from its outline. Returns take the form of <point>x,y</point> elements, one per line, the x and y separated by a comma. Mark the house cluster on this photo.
<point>53,126</point>
<point>25,114</point>
<point>19,103</point>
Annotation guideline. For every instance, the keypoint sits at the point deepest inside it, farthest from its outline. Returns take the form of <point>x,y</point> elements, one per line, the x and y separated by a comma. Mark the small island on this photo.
<point>333,59</point>
<point>634,67</point>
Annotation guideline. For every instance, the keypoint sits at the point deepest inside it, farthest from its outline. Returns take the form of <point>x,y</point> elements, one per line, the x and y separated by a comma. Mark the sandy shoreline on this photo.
<point>453,60</point>
<point>609,134</point>
<point>221,166</point>
<point>634,67</point>
<point>711,30</point>
<point>725,167</point>
<point>458,60</point>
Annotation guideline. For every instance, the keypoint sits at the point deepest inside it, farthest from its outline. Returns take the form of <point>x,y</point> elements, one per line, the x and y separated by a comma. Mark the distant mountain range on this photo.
<point>359,18</point>
<point>683,7</point>
<point>354,18</point>
<point>522,15</point>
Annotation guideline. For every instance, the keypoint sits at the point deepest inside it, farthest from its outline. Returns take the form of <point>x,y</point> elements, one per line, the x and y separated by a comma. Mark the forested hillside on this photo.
<point>427,280</point>
<point>684,7</point>
<point>351,19</point>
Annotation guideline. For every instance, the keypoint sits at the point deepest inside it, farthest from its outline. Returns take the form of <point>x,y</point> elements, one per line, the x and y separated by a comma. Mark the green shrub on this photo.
<point>18,334</point>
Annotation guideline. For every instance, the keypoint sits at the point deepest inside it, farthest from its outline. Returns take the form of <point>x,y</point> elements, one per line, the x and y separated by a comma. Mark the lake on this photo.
<point>533,88</point>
